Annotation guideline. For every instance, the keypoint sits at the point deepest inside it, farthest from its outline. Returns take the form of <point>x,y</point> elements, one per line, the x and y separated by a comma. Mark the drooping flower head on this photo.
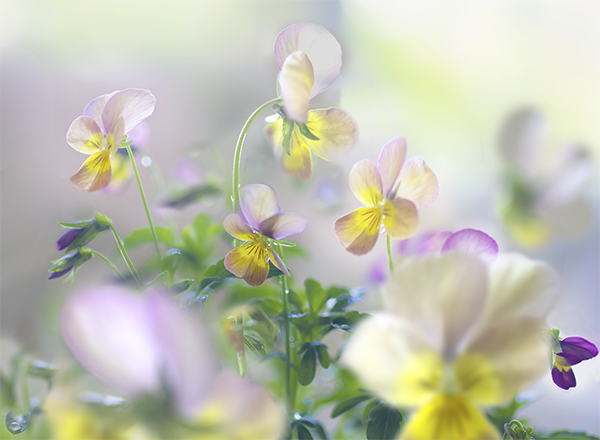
<point>309,59</point>
<point>568,352</point>
<point>392,191</point>
<point>457,335</point>
<point>99,133</point>
<point>262,223</point>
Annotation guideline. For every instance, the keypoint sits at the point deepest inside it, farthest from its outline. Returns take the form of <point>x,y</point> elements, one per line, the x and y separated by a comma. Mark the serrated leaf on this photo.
<point>287,131</point>
<point>384,422</point>
<point>306,132</point>
<point>315,294</point>
<point>308,367</point>
<point>144,235</point>
<point>346,405</point>
<point>323,354</point>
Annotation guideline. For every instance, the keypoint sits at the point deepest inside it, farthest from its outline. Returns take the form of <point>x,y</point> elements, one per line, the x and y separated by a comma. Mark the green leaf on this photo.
<point>336,291</point>
<point>348,404</point>
<point>315,294</point>
<point>306,132</point>
<point>41,369</point>
<point>303,432</point>
<point>308,366</point>
<point>322,354</point>
<point>368,407</point>
<point>384,423</point>
<point>287,131</point>
<point>315,426</point>
<point>144,235</point>
<point>162,280</point>
<point>566,434</point>
<point>501,415</point>
<point>181,198</point>
<point>181,286</point>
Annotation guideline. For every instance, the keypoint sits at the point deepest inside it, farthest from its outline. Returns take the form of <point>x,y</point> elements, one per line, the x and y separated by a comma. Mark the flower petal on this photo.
<point>578,348</point>
<point>237,228</point>
<point>85,135</point>
<point>435,243</point>
<point>358,230</point>
<point>335,129</point>
<point>277,261</point>
<point>296,80</point>
<point>365,183</point>
<point>299,162</point>
<point>474,242</point>
<point>417,183</point>
<point>133,105</point>
<point>274,136</point>
<point>400,218</point>
<point>563,377</point>
<point>390,163</point>
<point>322,49</point>
<point>248,261</point>
<point>258,202</point>
<point>95,108</point>
<point>283,225</point>
<point>95,172</point>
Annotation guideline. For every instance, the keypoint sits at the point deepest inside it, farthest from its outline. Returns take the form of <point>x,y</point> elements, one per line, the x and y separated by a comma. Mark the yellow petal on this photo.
<point>299,162</point>
<point>95,172</point>
<point>249,261</point>
<point>237,228</point>
<point>296,80</point>
<point>365,183</point>
<point>358,230</point>
<point>85,135</point>
<point>449,418</point>
<point>400,218</point>
<point>335,129</point>
<point>274,136</point>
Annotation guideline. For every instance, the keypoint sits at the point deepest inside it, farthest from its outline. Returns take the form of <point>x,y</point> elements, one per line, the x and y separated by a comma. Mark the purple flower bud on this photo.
<point>65,240</point>
<point>573,351</point>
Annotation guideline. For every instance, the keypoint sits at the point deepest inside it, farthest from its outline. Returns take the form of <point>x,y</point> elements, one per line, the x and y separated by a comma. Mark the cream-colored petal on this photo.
<point>441,295</point>
<point>85,135</point>
<point>417,183</point>
<point>115,136</point>
<point>358,230</point>
<point>335,129</point>
<point>390,162</point>
<point>274,136</point>
<point>296,80</point>
<point>365,183</point>
<point>400,218</point>
<point>133,105</point>
<point>95,172</point>
<point>235,226</point>
<point>258,202</point>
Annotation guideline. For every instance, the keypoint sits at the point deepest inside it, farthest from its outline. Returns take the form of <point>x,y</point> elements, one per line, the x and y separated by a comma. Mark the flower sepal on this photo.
<point>79,234</point>
<point>70,262</point>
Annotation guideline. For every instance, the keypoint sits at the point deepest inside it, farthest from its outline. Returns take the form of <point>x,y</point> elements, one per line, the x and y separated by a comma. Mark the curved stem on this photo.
<point>125,256</point>
<point>286,330</point>
<point>139,182</point>
<point>237,157</point>
<point>112,266</point>
<point>389,253</point>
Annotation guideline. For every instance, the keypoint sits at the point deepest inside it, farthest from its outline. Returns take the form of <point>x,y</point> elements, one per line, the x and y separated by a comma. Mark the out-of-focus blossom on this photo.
<point>262,223</point>
<point>542,202</point>
<point>79,234</point>
<point>568,352</point>
<point>392,191</point>
<point>143,346</point>
<point>99,133</point>
<point>309,59</point>
<point>457,335</point>
<point>70,262</point>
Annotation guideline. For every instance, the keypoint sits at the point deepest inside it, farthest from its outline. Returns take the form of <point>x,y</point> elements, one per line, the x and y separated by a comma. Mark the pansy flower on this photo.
<point>392,191</point>
<point>99,133</point>
<point>262,224</point>
<point>568,352</point>
<point>309,60</point>
<point>457,336</point>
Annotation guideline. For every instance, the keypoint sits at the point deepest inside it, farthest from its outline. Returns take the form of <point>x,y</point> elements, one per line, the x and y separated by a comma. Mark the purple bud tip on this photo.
<point>60,273</point>
<point>65,240</point>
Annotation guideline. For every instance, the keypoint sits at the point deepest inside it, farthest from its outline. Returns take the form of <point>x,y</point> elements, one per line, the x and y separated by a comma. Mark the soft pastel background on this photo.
<point>445,74</point>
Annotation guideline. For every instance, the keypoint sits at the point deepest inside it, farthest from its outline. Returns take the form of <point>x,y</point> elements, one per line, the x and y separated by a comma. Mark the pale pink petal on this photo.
<point>237,228</point>
<point>390,162</point>
<point>411,246</point>
<point>283,225</point>
<point>322,49</point>
<point>474,242</point>
<point>435,243</point>
<point>133,105</point>
<point>95,108</point>
<point>85,135</point>
<point>417,183</point>
<point>365,183</point>
<point>296,80</point>
<point>258,202</point>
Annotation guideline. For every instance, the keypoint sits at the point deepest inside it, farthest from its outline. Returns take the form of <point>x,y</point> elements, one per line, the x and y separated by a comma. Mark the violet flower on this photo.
<point>566,353</point>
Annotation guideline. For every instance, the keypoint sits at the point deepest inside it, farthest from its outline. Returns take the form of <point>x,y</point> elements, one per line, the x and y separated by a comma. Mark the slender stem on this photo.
<point>389,253</point>
<point>125,256</point>
<point>286,329</point>
<point>237,157</point>
<point>241,354</point>
<point>139,182</point>
<point>25,387</point>
<point>112,266</point>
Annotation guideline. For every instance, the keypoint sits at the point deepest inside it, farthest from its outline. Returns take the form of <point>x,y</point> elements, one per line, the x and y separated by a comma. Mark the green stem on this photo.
<point>112,266</point>
<point>237,157</point>
<point>125,256</point>
<point>286,330</point>
<point>241,355</point>
<point>139,182</point>
<point>25,386</point>
<point>389,253</point>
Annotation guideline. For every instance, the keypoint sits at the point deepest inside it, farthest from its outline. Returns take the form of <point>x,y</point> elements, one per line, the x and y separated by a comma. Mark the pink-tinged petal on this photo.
<point>237,227</point>
<point>390,163</point>
<point>283,225</point>
<point>365,183</point>
<point>95,172</point>
<point>85,135</point>
<point>564,378</point>
<point>474,242</point>
<point>249,261</point>
<point>435,243</point>
<point>115,136</point>
<point>335,129</point>
<point>579,349</point>
<point>133,105</point>
<point>417,183</point>
<point>358,230</point>
<point>400,218</point>
<point>95,108</point>
<point>258,202</point>
<point>322,49</point>
<point>277,261</point>
<point>296,80</point>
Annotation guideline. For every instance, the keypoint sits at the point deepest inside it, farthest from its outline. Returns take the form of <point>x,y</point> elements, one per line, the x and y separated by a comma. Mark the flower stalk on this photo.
<point>125,256</point>
<point>112,266</point>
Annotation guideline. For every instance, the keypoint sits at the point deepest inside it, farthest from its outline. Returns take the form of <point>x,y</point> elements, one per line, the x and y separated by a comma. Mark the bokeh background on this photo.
<point>444,74</point>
